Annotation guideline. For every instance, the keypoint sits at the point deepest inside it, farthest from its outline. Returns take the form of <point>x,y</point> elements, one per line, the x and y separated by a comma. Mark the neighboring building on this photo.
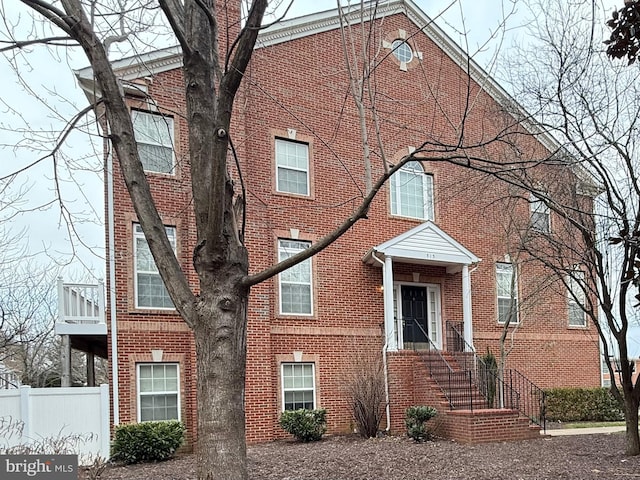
<point>615,365</point>
<point>431,268</point>
<point>8,377</point>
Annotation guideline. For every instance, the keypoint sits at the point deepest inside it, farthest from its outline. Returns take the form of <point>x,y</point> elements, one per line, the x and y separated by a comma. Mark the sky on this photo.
<point>45,96</point>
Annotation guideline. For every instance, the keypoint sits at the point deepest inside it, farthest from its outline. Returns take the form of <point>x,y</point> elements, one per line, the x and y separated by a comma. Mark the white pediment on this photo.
<point>426,244</point>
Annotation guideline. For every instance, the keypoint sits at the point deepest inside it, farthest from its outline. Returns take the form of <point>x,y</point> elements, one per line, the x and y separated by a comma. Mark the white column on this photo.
<point>65,361</point>
<point>387,285</point>
<point>466,307</point>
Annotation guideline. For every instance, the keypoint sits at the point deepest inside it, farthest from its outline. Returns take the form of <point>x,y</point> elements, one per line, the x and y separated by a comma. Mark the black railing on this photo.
<point>513,390</point>
<point>456,385</point>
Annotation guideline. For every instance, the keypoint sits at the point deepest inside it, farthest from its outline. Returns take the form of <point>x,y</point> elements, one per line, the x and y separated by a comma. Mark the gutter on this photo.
<point>112,293</point>
<point>384,364</point>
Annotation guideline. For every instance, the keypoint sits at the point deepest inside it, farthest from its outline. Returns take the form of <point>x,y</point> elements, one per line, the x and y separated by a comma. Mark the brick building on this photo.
<point>428,271</point>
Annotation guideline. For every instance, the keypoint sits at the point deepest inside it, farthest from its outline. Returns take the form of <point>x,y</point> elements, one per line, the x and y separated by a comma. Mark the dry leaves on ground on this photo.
<point>583,457</point>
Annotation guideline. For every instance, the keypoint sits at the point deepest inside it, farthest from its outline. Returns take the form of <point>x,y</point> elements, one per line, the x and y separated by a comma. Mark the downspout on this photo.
<point>384,363</point>
<point>112,295</point>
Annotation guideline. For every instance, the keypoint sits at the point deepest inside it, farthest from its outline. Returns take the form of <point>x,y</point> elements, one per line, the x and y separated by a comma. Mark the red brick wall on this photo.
<point>301,85</point>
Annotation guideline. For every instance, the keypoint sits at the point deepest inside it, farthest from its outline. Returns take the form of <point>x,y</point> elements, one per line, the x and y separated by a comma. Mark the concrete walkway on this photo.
<point>556,432</point>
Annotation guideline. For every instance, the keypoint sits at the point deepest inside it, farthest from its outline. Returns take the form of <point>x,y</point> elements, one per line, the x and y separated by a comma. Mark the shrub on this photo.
<point>147,441</point>
<point>366,396</point>
<point>305,425</point>
<point>415,419</point>
<point>488,375</point>
<point>582,404</point>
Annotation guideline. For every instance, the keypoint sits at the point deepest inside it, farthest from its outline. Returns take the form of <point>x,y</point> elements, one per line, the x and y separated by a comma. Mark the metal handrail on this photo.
<point>514,390</point>
<point>456,386</point>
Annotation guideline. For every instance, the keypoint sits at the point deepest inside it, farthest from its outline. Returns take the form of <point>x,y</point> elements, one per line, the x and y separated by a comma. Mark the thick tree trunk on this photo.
<point>220,337</point>
<point>631,404</point>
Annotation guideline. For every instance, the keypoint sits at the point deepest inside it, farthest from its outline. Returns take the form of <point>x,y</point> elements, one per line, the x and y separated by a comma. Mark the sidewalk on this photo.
<point>582,431</point>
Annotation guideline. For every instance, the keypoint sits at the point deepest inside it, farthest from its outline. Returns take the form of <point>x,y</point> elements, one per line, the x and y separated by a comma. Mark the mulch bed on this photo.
<point>581,457</point>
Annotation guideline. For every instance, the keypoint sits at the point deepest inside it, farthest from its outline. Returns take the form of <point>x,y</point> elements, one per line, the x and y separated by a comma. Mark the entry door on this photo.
<point>420,316</point>
<point>414,315</point>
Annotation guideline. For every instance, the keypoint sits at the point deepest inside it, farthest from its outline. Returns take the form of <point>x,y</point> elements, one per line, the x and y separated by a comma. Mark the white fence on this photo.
<point>56,414</point>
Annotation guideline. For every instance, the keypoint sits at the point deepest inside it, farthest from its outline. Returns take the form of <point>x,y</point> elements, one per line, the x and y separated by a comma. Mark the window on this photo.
<point>412,192</point>
<point>402,51</point>
<point>576,299</point>
<point>295,282</point>
<point>158,392</point>
<point>540,217</point>
<point>507,289</point>
<point>154,136</point>
<point>150,291</point>
<point>298,386</point>
<point>292,167</point>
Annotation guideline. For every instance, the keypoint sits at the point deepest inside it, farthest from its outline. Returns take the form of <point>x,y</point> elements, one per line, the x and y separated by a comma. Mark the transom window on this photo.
<point>298,386</point>
<point>295,283</point>
<point>507,290</point>
<point>158,392</point>
<point>540,216</point>
<point>292,167</point>
<point>150,291</point>
<point>154,136</point>
<point>576,299</point>
<point>412,192</point>
<point>402,51</point>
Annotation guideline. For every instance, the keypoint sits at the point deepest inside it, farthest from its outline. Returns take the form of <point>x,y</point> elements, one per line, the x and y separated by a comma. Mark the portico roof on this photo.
<point>425,244</point>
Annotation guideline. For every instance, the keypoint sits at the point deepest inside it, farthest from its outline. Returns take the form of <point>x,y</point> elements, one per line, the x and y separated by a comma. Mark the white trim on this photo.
<point>285,141</point>
<point>539,209</point>
<point>399,185</point>
<point>575,293</point>
<point>514,294</point>
<point>387,285</point>
<point>153,63</point>
<point>429,287</point>
<point>170,127</point>
<point>139,393</point>
<point>415,246</point>
<point>141,235</point>
<point>308,261</point>
<point>467,315</point>
<point>313,378</point>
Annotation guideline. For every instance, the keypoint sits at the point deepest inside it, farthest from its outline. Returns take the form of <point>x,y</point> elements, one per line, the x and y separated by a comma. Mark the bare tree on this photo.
<point>213,70</point>
<point>592,108</point>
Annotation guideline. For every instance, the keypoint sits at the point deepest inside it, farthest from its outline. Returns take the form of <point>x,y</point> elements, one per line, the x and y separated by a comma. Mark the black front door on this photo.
<point>414,315</point>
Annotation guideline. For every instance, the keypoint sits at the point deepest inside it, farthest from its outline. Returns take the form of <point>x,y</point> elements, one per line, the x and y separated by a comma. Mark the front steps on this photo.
<point>470,420</point>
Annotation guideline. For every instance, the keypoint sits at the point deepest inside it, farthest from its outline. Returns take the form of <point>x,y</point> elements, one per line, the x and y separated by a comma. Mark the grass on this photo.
<point>593,424</point>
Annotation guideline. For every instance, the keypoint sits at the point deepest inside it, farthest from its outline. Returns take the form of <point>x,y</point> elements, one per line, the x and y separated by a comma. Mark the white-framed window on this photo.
<point>412,192</point>
<point>292,167</point>
<point>507,292</point>
<point>158,391</point>
<point>150,291</point>
<point>540,215</point>
<point>402,50</point>
<point>298,386</point>
<point>295,283</point>
<point>154,136</point>
<point>576,299</point>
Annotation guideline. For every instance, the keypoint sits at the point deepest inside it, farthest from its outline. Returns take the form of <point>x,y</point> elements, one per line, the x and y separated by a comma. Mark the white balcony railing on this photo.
<point>81,309</point>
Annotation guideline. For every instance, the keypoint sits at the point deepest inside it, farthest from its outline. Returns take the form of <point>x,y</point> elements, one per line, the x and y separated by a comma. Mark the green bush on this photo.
<point>582,404</point>
<point>147,441</point>
<point>415,419</point>
<point>305,425</point>
<point>488,376</point>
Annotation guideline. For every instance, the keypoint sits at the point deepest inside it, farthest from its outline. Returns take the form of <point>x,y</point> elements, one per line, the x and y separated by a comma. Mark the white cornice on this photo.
<point>152,63</point>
